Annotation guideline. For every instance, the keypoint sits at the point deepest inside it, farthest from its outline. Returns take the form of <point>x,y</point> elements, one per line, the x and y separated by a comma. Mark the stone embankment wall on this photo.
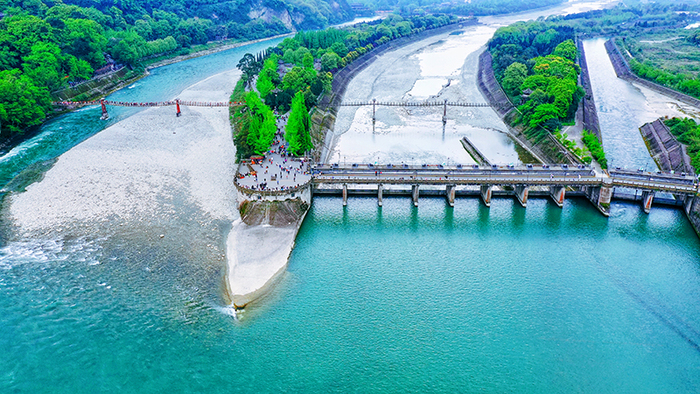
<point>474,152</point>
<point>590,113</point>
<point>274,213</point>
<point>549,149</point>
<point>100,86</point>
<point>623,71</point>
<point>490,88</point>
<point>692,210</point>
<point>665,149</point>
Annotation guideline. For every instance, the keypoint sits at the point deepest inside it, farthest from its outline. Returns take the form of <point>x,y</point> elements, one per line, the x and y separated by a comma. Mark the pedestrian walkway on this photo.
<point>277,170</point>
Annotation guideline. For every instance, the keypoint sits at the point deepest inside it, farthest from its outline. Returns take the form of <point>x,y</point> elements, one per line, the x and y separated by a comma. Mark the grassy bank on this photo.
<point>688,133</point>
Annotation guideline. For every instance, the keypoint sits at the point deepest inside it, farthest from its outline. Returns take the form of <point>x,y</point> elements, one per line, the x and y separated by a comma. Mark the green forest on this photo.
<point>48,45</point>
<point>463,8</point>
<point>295,73</point>
<point>688,133</point>
<point>535,64</point>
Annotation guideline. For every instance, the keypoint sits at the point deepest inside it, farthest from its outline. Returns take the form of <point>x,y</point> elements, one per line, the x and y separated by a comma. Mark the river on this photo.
<point>427,299</point>
<point>62,133</point>
<point>442,67</point>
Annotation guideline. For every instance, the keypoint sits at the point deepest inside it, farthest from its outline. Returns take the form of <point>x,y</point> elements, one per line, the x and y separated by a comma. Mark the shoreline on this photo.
<point>262,278</point>
<point>9,144</point>
<point>210,51</point>
<point>624,72</point>
<point>264,265</point>
<point>151,171</point>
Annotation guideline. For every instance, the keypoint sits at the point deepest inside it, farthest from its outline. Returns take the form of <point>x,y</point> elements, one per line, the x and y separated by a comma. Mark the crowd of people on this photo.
<point>278,170</point>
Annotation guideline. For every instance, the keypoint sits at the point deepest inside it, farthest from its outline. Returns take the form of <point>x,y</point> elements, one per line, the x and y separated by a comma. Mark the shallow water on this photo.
<point>438,68</point>
<point>432,299</point>
<point>427,299</point>
<point>62,133</point>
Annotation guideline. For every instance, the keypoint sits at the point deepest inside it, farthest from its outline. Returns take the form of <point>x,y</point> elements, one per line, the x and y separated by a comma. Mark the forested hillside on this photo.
<point>48,45</point>
<point>464,8</point>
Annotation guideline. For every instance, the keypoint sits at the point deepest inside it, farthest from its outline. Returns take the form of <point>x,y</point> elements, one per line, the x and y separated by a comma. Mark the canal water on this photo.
<point>442,67</point>
<point>391,299</point>
<point>620,119</point>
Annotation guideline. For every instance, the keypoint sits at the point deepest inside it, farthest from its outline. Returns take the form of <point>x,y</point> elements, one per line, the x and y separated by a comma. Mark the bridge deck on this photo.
<point>499,176</point>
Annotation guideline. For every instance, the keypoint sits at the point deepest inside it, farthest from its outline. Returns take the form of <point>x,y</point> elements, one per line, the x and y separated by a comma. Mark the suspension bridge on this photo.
<point>177,103</point>
<point>444,104</point>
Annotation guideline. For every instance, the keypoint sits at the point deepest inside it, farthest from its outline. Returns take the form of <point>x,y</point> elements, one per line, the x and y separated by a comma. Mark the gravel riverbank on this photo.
<point>147,177</point>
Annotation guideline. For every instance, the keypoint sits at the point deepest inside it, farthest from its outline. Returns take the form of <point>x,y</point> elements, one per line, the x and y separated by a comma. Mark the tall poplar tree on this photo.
<point>262,127</point>
<point>298,126</point>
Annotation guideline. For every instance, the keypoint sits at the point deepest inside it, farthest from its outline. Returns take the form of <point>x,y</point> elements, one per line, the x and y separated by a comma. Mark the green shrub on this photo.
<point>595,147</point>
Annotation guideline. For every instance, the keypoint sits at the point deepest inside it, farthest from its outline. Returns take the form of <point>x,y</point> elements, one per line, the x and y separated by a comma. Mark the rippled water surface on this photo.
<point>389,299</point>
<point>375,300</point>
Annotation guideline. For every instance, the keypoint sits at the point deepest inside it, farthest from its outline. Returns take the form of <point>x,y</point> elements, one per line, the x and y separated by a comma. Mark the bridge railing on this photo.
<point>150,103</point>
<point>267,193</point>
<point>416,104</point>
<point>503,181</point>
<point>479,175</point>
<point>272,193</point>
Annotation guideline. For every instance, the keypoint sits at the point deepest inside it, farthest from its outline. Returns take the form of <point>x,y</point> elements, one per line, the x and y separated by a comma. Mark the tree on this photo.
<point>308,61</point>
<point>339,48</point>
<point>43,65</point>
<point>288,56</point>
<point>555,66</point>
<point>513,78</point>
<point>262,126</point>
<point>127,47</point>
<point>404,28</point>
<point>566,49</point>
<point>298,127</point>
<point>534,82</point>
<point>543,113</point>
<point>85,40</point>
<point>248,66</point>
<point>76,69</point>
<point>329,61</point>
<point>264,85</point>
<point>27,31</point>
<point>298,79</point>
<point>299,55</point>
<point>22,103</point>
<point>268,77</point>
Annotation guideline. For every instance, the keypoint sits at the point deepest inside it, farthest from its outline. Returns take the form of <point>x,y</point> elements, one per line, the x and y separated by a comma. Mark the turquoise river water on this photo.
<point>375,300</point>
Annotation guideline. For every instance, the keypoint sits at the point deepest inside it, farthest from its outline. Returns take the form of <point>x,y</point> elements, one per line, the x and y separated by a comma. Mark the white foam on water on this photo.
<point>227,310</point>
<point>37,250</point>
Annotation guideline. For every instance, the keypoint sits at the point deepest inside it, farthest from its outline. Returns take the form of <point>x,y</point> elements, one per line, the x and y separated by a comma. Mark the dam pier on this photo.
<point>555,182</point>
